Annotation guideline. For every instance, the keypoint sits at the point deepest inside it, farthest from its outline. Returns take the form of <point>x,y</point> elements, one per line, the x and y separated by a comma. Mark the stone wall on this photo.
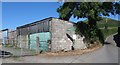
<point>79,44</point>
<point>12,37</point>
<point>12,34</point>
<point>23,41</point>
<point>60,41</point>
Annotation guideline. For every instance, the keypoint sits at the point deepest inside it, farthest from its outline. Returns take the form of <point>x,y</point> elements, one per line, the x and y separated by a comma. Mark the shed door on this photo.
<point>43,37</point>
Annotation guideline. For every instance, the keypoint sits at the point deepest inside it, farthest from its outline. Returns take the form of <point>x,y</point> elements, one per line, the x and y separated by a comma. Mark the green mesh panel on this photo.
<point>44,36</point>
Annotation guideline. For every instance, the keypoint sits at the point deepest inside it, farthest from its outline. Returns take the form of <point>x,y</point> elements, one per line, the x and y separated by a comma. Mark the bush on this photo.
<point>91,34</point>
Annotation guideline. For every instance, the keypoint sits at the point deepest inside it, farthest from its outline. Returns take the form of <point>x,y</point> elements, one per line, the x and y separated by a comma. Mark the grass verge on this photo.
<point>108,32</point>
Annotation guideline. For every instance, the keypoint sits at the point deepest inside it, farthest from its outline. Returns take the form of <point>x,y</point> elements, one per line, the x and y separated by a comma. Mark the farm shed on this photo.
<point>53,34</point>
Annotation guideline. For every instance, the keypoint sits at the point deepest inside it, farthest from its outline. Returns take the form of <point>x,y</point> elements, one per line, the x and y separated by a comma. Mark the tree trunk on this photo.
<point>92,32</point>
<point>91,22</point>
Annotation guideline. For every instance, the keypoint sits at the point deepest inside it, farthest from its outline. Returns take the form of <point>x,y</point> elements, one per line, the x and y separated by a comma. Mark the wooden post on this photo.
<point>37,45</point>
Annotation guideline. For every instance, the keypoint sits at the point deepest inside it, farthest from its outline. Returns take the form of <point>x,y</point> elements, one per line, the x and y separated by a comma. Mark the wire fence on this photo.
<point>26,44</point>
<point>8,41</point>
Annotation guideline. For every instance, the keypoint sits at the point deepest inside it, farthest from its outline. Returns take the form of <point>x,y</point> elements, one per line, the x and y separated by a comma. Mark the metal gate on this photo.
<point>43,38</point>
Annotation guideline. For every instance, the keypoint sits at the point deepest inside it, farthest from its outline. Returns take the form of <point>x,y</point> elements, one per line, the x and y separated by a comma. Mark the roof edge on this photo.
<point>33,23</point>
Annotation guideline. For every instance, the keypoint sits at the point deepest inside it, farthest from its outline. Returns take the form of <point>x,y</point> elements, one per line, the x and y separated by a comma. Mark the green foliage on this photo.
<point>91,34</point>
<point>83,29</point>
<point>112,26</point>
<point>65,10</point>
<point>91,10</point>
<point>88,9</point>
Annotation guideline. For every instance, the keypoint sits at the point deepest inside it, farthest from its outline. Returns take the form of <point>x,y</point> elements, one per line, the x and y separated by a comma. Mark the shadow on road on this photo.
<point>117,39</point>
<point>4,54</point>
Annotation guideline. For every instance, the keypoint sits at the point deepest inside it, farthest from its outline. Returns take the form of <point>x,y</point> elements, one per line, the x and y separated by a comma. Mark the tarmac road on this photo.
<point>110,39</point>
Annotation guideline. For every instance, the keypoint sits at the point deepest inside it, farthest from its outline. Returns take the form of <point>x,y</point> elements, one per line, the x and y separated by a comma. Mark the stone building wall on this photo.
<point>79,44</point>
<point>23,41</point>
<point>60,41</point>
<point>12,37</point>
<point>12,34</point>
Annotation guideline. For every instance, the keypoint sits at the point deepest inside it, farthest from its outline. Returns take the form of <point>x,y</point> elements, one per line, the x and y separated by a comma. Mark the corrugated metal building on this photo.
<point>54,35</point>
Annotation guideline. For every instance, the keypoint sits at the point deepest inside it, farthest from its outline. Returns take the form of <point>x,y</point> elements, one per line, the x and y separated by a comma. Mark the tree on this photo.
<point>90,10</point>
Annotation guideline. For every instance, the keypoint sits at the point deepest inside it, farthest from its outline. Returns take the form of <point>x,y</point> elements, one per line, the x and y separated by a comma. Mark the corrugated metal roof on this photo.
<point>34,23</point>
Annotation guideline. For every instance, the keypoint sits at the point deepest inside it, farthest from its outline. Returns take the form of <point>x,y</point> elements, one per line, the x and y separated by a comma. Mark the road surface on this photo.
<point>110,39</point>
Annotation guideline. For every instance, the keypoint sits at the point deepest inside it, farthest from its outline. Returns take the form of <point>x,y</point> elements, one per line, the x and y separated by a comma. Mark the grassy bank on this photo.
<point>107,32</point>
<point>111,24</point>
